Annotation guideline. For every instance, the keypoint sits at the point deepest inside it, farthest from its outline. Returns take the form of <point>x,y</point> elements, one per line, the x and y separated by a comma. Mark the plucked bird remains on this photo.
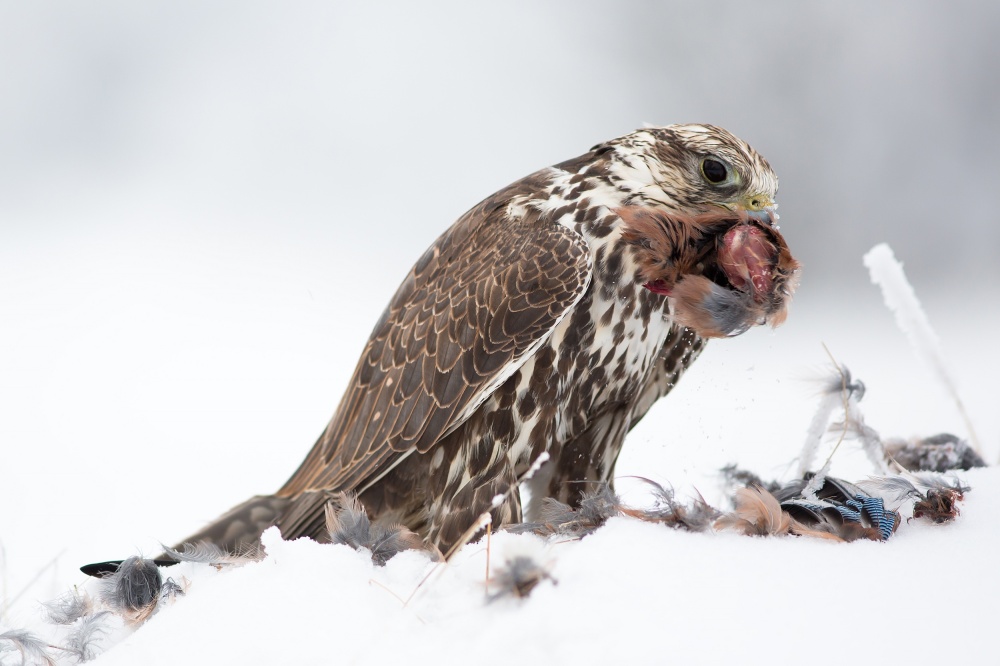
<point>838,510</point>
<point>819,505</point>
<point>937,453</point>
<point>133,591</point>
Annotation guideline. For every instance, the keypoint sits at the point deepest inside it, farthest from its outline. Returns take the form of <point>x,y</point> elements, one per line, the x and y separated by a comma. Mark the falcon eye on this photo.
<point>714,170</point>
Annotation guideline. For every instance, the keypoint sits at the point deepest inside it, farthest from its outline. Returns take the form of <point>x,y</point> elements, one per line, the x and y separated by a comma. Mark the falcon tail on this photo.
<point>239,529</point>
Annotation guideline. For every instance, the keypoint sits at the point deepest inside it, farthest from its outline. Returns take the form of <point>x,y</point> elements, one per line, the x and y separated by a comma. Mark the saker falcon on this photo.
<point>548,318</point>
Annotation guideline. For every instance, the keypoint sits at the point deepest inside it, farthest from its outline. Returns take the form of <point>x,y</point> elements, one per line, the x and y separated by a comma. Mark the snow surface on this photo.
<point>632,592</point>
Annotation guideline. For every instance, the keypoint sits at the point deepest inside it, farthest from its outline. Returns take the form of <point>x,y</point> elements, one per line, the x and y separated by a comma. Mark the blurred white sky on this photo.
<point>205,206</point>
<point>308,122</point>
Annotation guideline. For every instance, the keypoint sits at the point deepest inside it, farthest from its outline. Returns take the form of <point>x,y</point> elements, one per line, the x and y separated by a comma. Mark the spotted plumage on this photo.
<point>547,319</point>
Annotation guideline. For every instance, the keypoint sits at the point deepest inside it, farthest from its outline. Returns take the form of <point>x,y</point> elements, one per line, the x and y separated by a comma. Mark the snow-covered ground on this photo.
<point>205,206</point>
<point>134,472</point>
<point>631,593</point>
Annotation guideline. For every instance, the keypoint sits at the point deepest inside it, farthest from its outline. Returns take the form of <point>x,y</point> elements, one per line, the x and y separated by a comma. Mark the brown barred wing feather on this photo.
<point>469,313</point>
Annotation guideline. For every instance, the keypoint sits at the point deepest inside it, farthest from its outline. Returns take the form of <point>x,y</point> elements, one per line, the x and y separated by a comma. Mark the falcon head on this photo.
<point>701,220</point>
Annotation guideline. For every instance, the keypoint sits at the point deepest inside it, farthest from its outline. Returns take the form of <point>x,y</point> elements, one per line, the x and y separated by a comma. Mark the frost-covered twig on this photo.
<point>7,604</point>
<point>486,517</point>
<point>817,428</point>
<point>871,443</point>
<point>887,272</point>
<point>840,389</point>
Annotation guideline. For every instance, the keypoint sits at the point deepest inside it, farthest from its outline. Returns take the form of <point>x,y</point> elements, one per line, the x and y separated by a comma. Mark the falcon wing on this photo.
<point>476,305</point>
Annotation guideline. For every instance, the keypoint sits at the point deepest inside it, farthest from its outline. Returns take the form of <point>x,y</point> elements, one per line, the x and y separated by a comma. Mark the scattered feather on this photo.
<point>518,576</point>
<point>133,591</point>
<point>938,480</point>
<point>817,506</point>
<point>937,453</point>
<point>697,517</point>
<point>837,389</point>
<point>935,496</point>
<point>556,518</point>
<point>347,523</point>
<point>33,649</point>
<point>757,513</point>
<point>838,507</point>
<point>867,436</point>
<point>892,489</point>
<point>734,477</point>
<point>68,608</point>
<point>205,552</point>
<point>597,507</point>
<point>83,642</point>
<point>171,590</point>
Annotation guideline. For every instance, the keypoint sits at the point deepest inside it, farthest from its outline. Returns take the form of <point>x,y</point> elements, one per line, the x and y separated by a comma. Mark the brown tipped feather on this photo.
<point>757,513</point>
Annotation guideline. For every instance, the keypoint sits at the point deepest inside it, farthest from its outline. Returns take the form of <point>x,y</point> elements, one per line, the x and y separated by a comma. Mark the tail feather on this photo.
<point>239,529</point>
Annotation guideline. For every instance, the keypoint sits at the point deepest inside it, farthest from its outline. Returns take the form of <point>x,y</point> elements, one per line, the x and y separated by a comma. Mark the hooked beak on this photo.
<point>757,207</point>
